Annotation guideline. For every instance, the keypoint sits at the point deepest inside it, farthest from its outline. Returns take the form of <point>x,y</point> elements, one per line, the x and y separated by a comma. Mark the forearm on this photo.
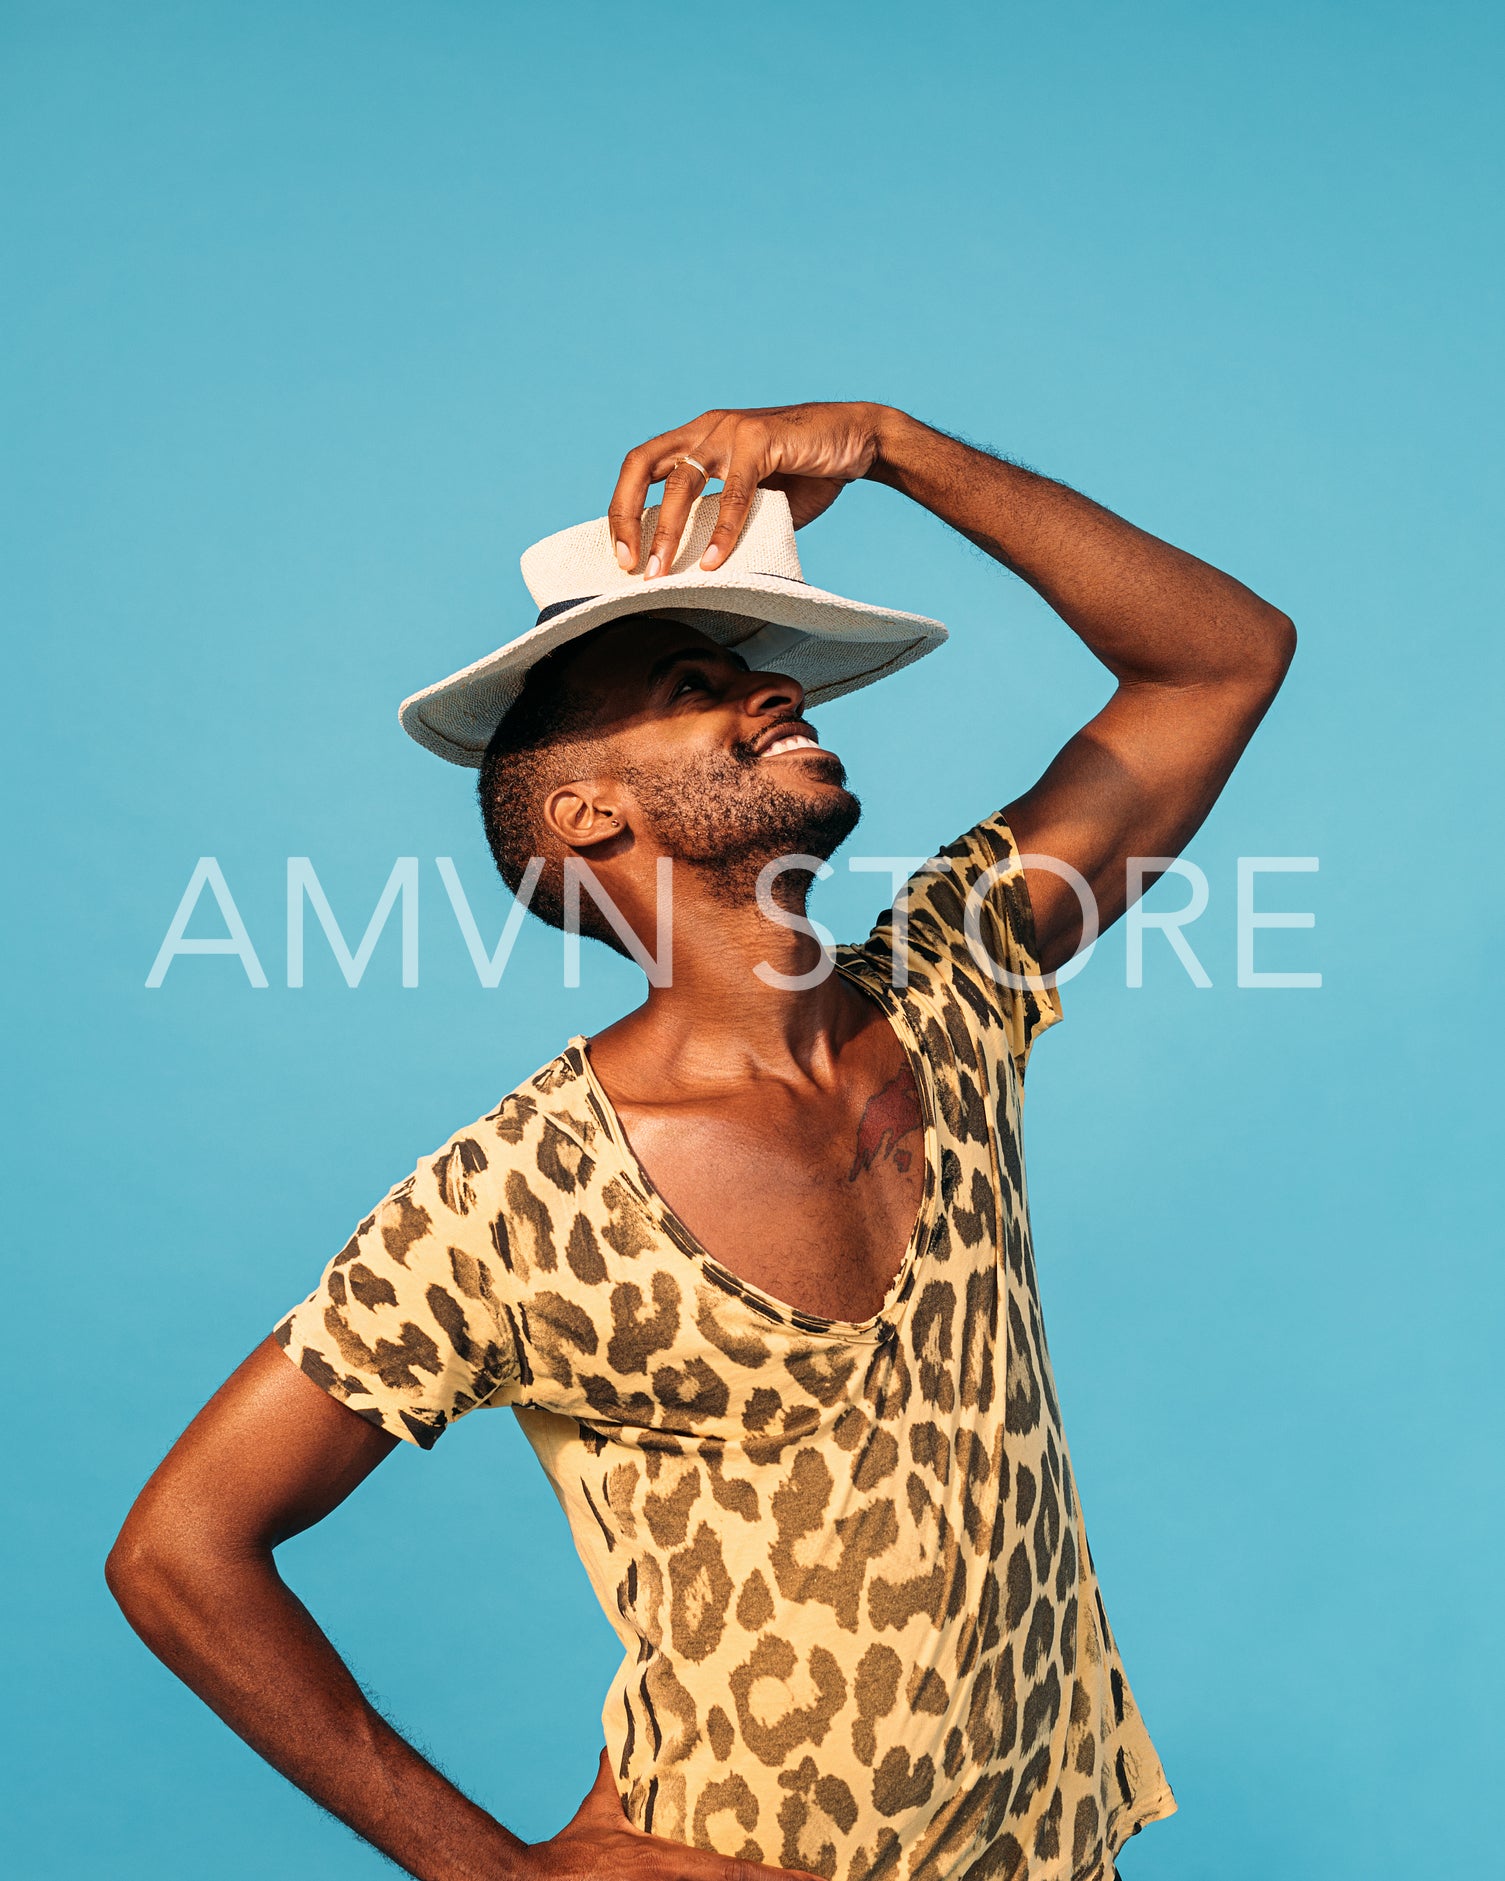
<point>1150,612</point>
<point>234,1632</point>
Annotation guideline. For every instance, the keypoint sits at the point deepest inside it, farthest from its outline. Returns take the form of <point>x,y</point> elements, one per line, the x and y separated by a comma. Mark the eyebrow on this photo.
<point>668,661</point>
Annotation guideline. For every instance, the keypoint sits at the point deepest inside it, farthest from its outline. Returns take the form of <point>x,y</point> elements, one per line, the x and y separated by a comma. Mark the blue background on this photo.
<point>318,316</point>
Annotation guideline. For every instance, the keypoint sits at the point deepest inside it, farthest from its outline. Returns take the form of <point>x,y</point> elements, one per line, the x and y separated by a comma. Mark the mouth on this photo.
<point>790,736</point>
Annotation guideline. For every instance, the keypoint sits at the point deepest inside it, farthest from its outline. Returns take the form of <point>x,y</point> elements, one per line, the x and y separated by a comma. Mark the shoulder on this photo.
<point>555,1103</point>
<point>422,1315</point>
<point>959,941</point>
<point>545,1128</point>
<point>551,1128</point>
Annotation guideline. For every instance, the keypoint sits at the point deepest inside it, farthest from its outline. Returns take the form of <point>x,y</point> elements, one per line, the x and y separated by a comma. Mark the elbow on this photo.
<point>132,1568</point>
<point>1283,631</point>
<point>1268,657</point>
<point>1281,636</point>
<point>145,1576</point>
<point>170,1568</point>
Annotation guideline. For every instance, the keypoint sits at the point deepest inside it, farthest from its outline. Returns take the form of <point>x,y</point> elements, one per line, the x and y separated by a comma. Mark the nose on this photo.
<point>769,694</point>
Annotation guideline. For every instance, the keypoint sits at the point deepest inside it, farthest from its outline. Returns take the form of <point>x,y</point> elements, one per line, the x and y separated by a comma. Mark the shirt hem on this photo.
<point>1156,1808</point>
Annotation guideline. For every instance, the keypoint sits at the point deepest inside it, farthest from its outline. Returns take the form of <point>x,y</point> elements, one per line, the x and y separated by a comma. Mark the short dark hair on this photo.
<point>535,748</point>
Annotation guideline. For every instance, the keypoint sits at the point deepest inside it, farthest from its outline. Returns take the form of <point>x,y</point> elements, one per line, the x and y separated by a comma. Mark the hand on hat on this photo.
<point>807,451</point>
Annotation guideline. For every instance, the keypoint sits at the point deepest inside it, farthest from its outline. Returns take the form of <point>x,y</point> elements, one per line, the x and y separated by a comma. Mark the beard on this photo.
<point>724,816</point>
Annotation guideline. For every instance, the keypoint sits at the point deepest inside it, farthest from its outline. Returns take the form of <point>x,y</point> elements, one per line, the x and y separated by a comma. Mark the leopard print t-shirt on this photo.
<point>863,1635</point>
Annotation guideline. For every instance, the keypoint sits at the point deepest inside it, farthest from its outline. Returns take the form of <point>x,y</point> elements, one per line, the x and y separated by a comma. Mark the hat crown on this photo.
<point>581,562</point>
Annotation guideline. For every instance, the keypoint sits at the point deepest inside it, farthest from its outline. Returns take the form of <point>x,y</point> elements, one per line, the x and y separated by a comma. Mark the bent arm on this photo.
<point>193,1571</point>
<point>1197,656</point>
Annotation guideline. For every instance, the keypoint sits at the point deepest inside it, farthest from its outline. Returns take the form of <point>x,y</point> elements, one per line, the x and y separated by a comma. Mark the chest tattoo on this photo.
<point>887,1118</point>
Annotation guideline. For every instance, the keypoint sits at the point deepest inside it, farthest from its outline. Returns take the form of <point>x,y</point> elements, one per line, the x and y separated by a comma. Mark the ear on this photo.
<point>581,815</point>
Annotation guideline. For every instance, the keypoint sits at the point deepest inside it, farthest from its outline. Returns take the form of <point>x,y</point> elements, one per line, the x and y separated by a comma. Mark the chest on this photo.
<point>812,1197</point>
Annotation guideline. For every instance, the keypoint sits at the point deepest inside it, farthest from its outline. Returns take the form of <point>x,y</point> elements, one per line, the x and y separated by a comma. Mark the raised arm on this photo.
<point>193,1571</point>
<point>1196,655</point>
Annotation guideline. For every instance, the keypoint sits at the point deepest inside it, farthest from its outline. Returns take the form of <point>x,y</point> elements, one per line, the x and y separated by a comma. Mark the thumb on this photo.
<point>809,497</point>
<point>603,1797</point>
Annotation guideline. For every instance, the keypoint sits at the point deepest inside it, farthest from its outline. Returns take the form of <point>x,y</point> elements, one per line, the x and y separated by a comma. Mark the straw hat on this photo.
<point>757,601</point>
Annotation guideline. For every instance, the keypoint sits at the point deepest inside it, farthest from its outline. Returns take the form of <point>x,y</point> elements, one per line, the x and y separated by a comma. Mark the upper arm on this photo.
<point>269,1455</point>
<point>418,1319</point>
<point>1137,780</point>
<point>407,1328</point>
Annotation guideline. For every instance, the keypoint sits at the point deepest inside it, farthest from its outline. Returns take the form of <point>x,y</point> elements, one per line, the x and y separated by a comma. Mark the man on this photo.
<point>753,1265</point>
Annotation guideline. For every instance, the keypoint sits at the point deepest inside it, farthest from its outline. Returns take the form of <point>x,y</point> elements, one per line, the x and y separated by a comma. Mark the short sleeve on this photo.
<point>410,1324</point>
<point>965,916</point>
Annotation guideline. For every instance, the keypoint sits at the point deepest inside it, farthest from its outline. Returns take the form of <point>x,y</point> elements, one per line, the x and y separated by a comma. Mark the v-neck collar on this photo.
<point>766,1304</point>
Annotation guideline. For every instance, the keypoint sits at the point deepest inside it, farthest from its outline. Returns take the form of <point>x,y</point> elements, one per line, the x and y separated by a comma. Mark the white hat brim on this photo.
<point>829,644</point>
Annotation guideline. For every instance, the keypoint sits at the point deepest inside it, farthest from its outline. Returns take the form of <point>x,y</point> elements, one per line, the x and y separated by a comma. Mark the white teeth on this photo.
<point>790,744</point>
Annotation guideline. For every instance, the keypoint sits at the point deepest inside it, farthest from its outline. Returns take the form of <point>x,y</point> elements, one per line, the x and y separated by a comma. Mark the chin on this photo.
<point>834,814</point>
<point>829,789</point>
<point>824,768</point>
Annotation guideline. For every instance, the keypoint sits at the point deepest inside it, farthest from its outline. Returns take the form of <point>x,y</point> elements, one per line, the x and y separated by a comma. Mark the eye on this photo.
<point>691,681</point>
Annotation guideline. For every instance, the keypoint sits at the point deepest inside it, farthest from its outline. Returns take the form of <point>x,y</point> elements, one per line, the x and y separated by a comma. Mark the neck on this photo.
<point>721,1018</point>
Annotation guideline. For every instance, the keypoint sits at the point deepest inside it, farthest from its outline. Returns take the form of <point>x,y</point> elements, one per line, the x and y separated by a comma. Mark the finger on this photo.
<point>809,497</point>
<point>739,485</point>
<point>681,487</point>
<point>730,1868</point>
<point>702,1864</point>
<point>673,1861</point>
<point>642,468</point>
<point>625,511</point>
